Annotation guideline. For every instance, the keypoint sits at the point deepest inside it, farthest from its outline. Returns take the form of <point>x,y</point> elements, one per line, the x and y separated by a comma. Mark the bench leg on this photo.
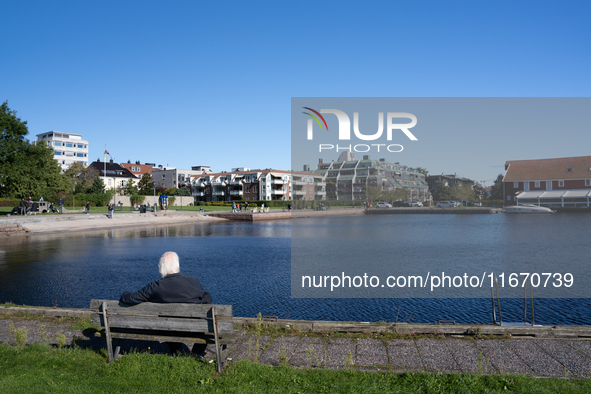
<point>218,351</point>
<point>108,332</point>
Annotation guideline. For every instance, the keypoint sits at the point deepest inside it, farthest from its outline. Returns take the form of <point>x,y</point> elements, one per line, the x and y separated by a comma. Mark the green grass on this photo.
<point>42,369</point>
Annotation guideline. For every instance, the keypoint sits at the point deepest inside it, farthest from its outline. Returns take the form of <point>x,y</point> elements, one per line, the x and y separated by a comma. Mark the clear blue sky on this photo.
<point>210,83</point>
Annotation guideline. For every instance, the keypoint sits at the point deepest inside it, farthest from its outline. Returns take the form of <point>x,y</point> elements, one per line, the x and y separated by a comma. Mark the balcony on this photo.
<point>320,193</point>
<point>299,193</point>
<point>235,183</point>
<point>302,183</point>
<point>218,183</point>
<point>236,192</point>
<point>278,192</point>
<point>219,193</point>
<point>198,194</point>
<point>276,182</point>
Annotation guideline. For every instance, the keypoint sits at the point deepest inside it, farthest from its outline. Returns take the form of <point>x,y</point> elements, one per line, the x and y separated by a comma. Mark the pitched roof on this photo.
<point>548,169</point>
<point>144,169</point>
<point>114,170</point>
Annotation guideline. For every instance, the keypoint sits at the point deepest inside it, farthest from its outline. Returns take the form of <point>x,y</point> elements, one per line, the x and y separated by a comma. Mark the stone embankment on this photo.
<point>559,351</point>
<point>433,210</point>
<point>8,229</point>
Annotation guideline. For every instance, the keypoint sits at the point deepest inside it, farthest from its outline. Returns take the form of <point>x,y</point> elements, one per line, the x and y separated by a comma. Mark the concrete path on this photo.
<point>535,357</point>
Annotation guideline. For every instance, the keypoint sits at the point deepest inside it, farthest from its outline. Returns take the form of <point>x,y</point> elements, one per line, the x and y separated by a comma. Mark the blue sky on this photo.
<point>210,83</point>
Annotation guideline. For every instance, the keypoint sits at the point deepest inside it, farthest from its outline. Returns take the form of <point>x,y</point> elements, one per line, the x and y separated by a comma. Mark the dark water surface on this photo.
<point>248,265</point>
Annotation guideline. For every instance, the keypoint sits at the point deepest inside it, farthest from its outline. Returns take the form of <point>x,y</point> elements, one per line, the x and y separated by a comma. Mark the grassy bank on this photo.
<point>39,368</point>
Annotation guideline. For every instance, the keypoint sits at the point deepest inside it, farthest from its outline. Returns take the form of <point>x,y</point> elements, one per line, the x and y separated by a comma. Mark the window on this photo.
<point>79,154</point>
<point>548,185</point>
<point>537,183</point>
<point>69,145</point>
<point>515,185</point>
<point>508,198</point>
<point>587,182</point>
<point>163,176</point>
<point>81,146</point>
<point>57,143</point>
<point>560,183</point>
<point>569,170</point>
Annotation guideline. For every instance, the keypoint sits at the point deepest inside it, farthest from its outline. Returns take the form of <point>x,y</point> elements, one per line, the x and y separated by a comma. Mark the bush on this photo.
<point>9,202</point>
<point>136,199</point>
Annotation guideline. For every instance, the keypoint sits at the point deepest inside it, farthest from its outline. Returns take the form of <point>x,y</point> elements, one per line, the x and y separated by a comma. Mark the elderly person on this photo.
<point>174,287</point>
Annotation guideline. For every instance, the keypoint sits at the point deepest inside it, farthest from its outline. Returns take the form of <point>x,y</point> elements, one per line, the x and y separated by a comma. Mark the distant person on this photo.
<point>34,208</point>
<point>30,200</point>
<point>41,199</point>
<point>200,209</point>
<point>246,205</point>
<point>233,206</point>
<point>174,287</point>
<point>289,207</point>
<point>87,207</point>
<point>23,205</point>
<point>60,204</point>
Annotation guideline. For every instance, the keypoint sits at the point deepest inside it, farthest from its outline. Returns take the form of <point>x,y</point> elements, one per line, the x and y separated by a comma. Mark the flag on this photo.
<point>105,155</point>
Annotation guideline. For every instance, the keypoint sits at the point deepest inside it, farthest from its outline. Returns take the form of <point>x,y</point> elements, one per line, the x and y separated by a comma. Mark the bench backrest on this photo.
<point>194,318</point>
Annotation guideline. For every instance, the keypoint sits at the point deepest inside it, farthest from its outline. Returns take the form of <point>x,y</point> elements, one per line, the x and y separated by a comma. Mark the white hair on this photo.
<point>169,264</point>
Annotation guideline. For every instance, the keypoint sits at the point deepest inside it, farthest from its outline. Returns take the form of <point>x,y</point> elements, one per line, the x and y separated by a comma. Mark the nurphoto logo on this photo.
<point>344,133</point>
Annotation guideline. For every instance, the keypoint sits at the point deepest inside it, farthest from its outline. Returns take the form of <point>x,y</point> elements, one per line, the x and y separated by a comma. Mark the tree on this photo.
<point>98,186</point>
<point>420,170</point>
<point>130,188</point>
<point>81,178</point>
<point>497,188</point>
<point>373,194</point>
<point>26,170</point>
<point>146,185</point>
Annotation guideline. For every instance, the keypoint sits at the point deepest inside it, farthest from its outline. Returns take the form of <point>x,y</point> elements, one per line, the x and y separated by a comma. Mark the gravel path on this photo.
<point>534,357</point>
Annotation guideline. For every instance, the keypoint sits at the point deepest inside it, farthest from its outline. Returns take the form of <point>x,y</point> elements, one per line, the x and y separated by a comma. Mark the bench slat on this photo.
<point>162,323</point>
<point>155,309</point>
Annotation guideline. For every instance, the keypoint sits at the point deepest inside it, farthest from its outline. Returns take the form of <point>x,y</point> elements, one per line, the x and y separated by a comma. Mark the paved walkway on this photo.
<point>534,357</point>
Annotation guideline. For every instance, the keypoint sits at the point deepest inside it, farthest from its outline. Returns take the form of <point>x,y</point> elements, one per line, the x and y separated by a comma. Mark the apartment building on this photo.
<point>266,184</point>
<point>170,177</point>
<point>68,148</point>
<point>348,179</point>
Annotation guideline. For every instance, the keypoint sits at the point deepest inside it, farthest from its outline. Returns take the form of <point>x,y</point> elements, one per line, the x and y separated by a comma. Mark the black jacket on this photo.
<point>173,288</point>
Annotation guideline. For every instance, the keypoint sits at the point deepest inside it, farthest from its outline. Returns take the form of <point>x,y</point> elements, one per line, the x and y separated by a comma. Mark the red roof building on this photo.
<point>562,182</point>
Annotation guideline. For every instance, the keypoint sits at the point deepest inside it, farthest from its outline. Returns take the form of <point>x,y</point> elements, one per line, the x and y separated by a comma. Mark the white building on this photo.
<point>69,148</point>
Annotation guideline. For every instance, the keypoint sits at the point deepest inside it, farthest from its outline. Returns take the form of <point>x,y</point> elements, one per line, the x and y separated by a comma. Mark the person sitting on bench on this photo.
<point>174,287</point>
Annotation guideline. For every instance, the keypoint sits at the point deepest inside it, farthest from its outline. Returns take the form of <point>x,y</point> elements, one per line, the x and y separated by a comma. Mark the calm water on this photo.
<point>248,264</point>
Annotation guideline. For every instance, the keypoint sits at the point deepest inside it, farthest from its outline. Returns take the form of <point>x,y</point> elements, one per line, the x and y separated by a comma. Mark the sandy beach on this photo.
<point>74,223</point>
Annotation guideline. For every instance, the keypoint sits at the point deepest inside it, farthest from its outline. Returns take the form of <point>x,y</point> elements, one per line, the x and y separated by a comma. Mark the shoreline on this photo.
<point>75,223</point>
<point>571,332</point>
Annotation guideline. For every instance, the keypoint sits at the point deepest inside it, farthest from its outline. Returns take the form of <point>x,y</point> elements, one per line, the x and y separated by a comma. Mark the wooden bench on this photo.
<point>195,323</point>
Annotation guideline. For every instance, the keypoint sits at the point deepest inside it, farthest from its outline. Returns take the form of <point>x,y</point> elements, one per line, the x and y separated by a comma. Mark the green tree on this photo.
<point>497,188</point>
<point>442,192</point>
<point>26,170</point>
<point>79,177</point>
<point>146,185</point>
<point>420,170</point>
<point>130,187</point>
<point>98,186</point>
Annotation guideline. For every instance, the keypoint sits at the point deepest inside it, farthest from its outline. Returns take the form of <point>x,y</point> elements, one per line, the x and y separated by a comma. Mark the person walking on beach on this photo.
<point>34,207</point>
<point>87,207</point>
<point>60,204</point>
<point>246,205</point>
<point>174,287</point>
<point>233,207</point>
